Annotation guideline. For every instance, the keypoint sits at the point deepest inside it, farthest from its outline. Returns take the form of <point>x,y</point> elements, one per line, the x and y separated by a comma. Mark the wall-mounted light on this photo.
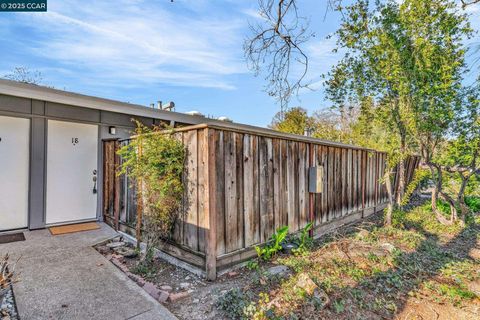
<point>112,130</point>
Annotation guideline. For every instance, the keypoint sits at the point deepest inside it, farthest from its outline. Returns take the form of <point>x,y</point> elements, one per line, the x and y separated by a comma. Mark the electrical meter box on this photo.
<point>315,179</point>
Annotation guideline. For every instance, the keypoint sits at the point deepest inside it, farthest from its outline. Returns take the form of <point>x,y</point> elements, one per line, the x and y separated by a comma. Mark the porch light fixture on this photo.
<point>112,130</point>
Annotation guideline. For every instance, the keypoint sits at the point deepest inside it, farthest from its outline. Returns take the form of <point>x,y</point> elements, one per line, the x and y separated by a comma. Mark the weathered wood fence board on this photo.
<point>242,186</point>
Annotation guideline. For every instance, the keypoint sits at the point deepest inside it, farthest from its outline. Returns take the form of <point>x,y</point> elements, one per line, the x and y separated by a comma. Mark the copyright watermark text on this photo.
<point>23,5</point>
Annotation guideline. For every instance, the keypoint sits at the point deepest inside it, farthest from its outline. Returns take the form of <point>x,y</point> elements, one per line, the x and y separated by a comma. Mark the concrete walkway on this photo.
<point>63,277</point>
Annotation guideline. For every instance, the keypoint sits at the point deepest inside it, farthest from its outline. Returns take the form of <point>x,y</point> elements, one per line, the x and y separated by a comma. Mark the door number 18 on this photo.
<point>74,141</point>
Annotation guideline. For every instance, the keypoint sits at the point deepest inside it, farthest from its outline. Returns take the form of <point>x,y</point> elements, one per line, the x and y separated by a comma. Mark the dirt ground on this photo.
<point>415,271</point>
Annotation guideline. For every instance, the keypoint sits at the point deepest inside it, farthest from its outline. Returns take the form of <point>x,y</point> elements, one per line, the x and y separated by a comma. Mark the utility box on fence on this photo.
<point>315,179</point>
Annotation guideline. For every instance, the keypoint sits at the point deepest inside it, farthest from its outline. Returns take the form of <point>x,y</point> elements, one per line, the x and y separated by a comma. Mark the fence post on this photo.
<point>310,194</point>
<point>364,178</point>
<point>210,205</point>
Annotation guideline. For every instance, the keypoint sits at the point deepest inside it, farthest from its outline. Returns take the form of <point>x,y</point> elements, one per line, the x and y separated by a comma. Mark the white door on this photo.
<point>14,170</point>
<point>71,171</point>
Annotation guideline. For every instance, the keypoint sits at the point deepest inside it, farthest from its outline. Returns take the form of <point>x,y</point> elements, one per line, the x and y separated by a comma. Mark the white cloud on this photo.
<point>139,41</point>
<point>253,13</point>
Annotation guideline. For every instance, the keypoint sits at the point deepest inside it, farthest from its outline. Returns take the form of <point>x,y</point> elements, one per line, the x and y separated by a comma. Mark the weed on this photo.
<point>304,241</point>
<point>296,263</point>
<point>338,306</point>
<point>274,245</point>
<point>235,304</point>
<point>373,257</point>
<point>252,264</point>
<point>455,293</point>
<point>461,271</point>
<point>146,269</point>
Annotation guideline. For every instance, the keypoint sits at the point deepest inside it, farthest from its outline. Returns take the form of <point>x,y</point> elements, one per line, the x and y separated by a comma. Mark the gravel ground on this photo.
<point>8,309</point>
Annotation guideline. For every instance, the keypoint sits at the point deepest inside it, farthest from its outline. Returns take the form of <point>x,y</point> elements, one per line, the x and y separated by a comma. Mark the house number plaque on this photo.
<point>74,141</point>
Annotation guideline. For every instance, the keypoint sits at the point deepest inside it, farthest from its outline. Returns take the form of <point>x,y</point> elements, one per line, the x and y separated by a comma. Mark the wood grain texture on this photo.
<point>231,220</point>
<point>191,201</point>
<point>241,186</point>
<point>220,190</point>
<point>202,188</point>
<point>210,196</point>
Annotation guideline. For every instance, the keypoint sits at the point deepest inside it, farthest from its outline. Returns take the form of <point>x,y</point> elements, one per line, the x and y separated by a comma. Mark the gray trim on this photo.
<point>15,104</point>
<point>63,111</point>
<point>37,174</point>
<point>38,107</point>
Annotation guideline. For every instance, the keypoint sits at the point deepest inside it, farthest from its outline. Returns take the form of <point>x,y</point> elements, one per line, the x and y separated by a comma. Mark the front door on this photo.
<point>14,170</point>
<point>71,172</point>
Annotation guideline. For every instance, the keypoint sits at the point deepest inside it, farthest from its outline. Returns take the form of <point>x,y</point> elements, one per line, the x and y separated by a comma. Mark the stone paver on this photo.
<point>63,277</point>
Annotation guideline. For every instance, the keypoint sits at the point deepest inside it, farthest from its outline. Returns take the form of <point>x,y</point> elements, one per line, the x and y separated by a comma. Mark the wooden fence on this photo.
<point>241,185</point>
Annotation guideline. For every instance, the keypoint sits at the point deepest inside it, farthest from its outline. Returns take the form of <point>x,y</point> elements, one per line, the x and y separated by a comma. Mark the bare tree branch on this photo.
<point>24,74</point>
<point>276,48</point>
<point>466,3</point>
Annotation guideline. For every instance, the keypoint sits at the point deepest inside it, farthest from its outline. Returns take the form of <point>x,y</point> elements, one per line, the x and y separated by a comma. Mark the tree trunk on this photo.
<point>391,203</point>
<point>461,197</point>
<point>401,173</point>
<point>437,189</point>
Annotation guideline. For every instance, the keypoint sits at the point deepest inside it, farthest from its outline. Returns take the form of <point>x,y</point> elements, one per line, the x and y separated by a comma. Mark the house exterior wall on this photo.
<point>39,112</point>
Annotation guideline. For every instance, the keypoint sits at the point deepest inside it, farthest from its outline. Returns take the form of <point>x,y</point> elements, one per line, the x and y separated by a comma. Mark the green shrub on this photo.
<point>154,159</point>
<point>473,203</point>
<point>274,244</point>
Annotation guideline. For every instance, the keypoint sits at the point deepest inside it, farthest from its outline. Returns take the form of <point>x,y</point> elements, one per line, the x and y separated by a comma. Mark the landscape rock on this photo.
<point>7,305</point>
<point>279,271</point>
<point>113,245</point>
<point>126,252</point>
<point>288,247</point>
<point>184,285</point>
<point>306,283</point>
<point>152,290</point>
<point>166,288</point>
<point>233,274</point>
<point>163,296</point>
<point>178,296</point>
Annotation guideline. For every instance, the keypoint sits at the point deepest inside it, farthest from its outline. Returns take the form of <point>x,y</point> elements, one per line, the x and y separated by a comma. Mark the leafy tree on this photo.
<point>459,156</point>
<point>408,59</point>
<point>375,68</point>
<point>154,160</point>
<point>323,124</point>
<point>438,73</point>
<point>294,120</point>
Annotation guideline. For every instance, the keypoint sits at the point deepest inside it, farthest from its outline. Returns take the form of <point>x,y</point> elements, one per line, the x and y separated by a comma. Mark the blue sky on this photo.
<point>188,51</point>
